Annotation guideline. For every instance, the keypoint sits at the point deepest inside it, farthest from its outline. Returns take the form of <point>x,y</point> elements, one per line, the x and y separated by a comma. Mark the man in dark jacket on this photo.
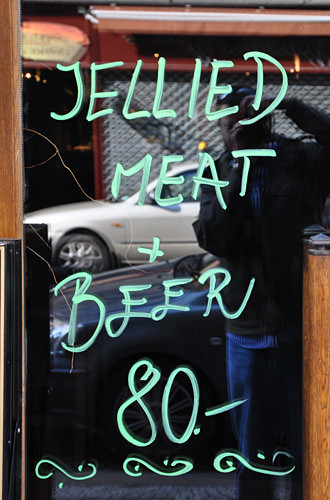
<point>259,235</point>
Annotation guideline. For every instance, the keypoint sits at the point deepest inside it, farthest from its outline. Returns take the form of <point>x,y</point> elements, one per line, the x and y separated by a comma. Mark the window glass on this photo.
<point>165,323</point>
<point>184,189</point>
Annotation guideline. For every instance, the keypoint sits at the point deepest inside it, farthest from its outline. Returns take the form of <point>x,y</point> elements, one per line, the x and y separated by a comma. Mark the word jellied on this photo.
<point>83,281</point>
<point>223,461</point>
<point>158,113</point>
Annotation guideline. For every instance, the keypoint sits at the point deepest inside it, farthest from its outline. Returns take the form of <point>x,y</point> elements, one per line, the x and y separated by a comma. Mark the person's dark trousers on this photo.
<point>270,381</point>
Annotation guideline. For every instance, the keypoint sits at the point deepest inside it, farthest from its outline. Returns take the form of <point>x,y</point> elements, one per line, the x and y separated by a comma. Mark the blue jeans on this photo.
<point>270,380</point>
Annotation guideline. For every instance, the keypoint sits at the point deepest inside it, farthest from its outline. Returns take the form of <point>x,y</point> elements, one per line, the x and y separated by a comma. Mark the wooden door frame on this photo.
<point>11,165</point>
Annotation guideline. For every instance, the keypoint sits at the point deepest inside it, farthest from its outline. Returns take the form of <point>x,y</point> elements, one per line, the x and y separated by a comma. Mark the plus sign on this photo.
<point>154,252</point>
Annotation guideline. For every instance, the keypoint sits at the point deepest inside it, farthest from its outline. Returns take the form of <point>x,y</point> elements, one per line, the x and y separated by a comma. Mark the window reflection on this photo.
<point>122,417</point>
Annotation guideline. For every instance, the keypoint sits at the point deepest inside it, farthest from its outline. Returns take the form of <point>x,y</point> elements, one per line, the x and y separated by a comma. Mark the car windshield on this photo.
<point>195,265</point>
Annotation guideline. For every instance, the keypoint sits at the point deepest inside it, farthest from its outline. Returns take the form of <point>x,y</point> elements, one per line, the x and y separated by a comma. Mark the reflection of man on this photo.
<point>260,235</point>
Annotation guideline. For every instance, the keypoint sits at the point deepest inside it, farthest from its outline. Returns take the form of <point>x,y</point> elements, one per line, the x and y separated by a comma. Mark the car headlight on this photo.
<point>58,332</point>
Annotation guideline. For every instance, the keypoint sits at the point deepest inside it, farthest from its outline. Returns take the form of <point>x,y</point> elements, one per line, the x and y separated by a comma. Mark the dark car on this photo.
<point>143,362</point>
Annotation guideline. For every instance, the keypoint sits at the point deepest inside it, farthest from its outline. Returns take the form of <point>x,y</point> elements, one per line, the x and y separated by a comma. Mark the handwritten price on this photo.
<point>224,460</point>
<point>152,376</point>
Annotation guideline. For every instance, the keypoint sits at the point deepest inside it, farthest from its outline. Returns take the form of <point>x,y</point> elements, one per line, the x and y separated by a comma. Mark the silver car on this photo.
<point>100,235</point>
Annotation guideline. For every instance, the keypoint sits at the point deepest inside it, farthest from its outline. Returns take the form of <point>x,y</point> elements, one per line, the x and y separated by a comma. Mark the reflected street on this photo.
<point>115,485</point>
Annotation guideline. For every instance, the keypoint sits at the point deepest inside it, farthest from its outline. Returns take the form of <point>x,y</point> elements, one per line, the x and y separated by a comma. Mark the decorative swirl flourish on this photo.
<point>177,467</point>
<point>228,457</point>
<point>78,477</point>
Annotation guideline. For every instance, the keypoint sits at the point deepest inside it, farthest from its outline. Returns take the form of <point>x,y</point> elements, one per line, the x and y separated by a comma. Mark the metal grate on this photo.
<point>128,141</point>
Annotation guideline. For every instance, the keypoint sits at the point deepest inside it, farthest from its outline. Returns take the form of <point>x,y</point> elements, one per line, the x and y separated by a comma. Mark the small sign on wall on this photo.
<point>43,41</point>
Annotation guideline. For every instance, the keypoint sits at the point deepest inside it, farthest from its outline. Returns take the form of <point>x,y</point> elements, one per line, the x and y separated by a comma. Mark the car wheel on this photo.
<point>82,252</point>
<point>180,408</point>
